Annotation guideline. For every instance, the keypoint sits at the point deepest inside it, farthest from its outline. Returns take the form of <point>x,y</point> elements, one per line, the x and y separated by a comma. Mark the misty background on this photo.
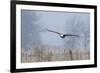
<point>34,33</point>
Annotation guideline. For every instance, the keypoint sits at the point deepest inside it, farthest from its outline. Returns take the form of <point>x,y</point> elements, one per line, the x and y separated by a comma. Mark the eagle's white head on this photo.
<point>61,35</point>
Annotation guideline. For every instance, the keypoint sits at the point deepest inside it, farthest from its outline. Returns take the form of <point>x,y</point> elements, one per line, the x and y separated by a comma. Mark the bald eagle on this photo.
<point>62,35</point>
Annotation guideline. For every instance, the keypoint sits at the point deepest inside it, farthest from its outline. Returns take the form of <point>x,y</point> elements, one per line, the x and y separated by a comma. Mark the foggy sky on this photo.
<point>34,23</point>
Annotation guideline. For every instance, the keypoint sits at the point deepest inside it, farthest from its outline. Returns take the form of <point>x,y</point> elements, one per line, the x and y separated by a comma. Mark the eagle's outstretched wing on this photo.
<point>71,35</point>
<point>53,31</point>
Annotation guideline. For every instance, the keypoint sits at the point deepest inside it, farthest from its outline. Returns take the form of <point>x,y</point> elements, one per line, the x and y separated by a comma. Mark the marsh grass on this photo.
<point>45,54</point>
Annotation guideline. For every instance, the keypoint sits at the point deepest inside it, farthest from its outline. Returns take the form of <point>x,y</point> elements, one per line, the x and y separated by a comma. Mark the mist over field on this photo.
<point>33,31</point>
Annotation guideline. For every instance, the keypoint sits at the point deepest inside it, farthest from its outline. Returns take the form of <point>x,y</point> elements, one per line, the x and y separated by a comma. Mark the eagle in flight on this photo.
<point>62,35</point>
